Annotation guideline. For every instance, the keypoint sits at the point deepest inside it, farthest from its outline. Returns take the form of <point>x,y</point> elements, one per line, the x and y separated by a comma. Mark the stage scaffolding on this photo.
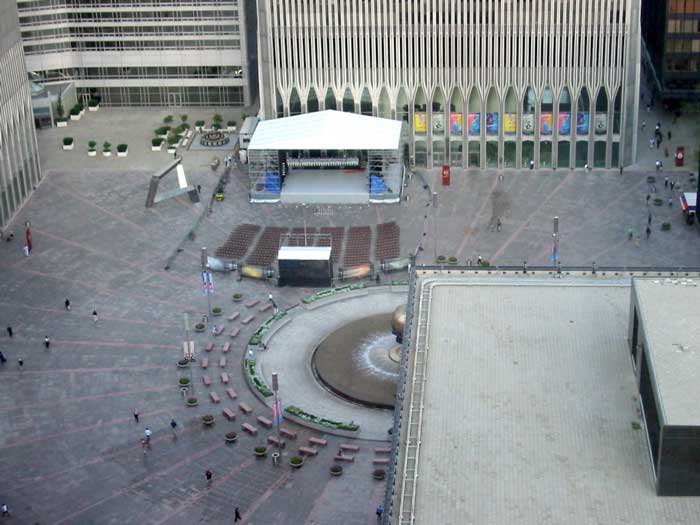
<point>264,175</point>
<point>386,173</point>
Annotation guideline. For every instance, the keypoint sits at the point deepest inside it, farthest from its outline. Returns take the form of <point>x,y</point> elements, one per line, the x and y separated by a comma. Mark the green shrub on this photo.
<point>75,111</point>
<point>67,141</point>
<point>217,118</point>
<point>199,123</point>
<point>173,139</point>
<point>106,146</point>
<point>93,102</point>
<point>440,259</point>
<point>216,125</point>
<point>121,148</point>
<point>163,130</point>
<point>157,141</point>
<point>231,123</point>
<point>261,387</point>
<point>184,381</point>
<point>60,110</point>
<point>485,263</point>
<point>666,226</point>
<point>168,119</point>
<point>183,118</point>
<point>658,201</point>
<point>92,145</point>
<point>298,412</point>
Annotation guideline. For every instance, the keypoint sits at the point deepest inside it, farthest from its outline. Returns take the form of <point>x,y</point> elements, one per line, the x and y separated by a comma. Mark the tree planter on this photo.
<point>183,363</point>
<point>92,153</point>
<point>296,461</point>
<point>452,260</point>
<point>260,452</point>
<point>192,402</point>
<point>172,150</point>
<point>237,297</point>
<point>157,148</point>
<point>440,259</point>
<point>184,382</point>
<point>75,117</point>
<point>68,147</point>
<point>208,420</point>
<point>230,129</point>
<point>61,123</point>
<point>199,327</point>
<point>379,474</point>
<point>93,108</point>
<point>106,153</point>
<point>231,437</point>
<point>216,311</point>
<point>336,470</point>
<point>122,153</point>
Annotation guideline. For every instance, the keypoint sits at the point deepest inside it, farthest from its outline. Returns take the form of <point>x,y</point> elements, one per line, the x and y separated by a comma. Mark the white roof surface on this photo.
<point>327,130</point>
<point>669,316</point>
<point>304,253</point>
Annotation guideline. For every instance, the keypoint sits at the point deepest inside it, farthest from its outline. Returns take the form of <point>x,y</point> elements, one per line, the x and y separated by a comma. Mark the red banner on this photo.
<point>28,236</point>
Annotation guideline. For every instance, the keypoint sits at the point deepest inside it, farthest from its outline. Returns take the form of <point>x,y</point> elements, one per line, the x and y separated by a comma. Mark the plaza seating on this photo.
<point>265,308</point>
<point>307,451</point>
<point>380,461</point>
<point>214,397</point>
<point>218,331</point>
<point>382,450</point>
<point>245,408</point>
<point>248,319</point>
<point>238,243</point>
<point>265,251</point>
<point>226,348</point>
<point>345,457</point>
<point>224,377</point>
<point>357,248</point>
<point>337,234</point>
<point>206,380</point>
<point>264,421</point>
<point>274,440</point>
<point>231,393</point>
<point>349,448</point>
<point>222,362</point>
<point>250,429</point>
<point>388,242</point>
<point>234,316</point>
<point>318,441</point>
<point>205,363</point>
<point>230,414</point>
<point>209,347</point>
<point>251,304</point>
<point>235,332</point>
<point>287,433</point>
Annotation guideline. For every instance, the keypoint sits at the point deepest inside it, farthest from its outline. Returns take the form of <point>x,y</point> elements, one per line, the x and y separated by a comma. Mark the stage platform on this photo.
<point>326,187</point>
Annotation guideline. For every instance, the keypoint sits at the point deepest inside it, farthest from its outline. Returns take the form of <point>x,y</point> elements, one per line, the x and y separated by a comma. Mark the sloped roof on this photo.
<point>327,130</point>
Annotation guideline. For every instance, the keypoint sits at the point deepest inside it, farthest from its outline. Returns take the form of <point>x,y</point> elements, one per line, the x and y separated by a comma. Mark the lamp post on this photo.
<point>205,268</point>
<point>555,240</point>
<point>189,346</point>
<point>277,410</point>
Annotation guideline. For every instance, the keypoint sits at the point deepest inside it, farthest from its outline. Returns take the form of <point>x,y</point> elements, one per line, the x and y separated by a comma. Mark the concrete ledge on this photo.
<point>321,428</point>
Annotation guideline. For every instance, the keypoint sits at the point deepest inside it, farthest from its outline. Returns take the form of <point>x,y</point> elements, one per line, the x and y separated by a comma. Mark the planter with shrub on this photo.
<point>231,437</point>
<point>192,402</point>
<point>658,201</point>
<point>75,113</point>
<point>452,260</point>
<point>208,420</point>
<point>68,143</point>
<point>183,363</point>
<point>162,132</point>
<point>379,474</point>
<point>93,104</point>
<point>260,452</point>
<point>184,381</point>
<point>199,327</point>
<point>92,148</point>
<point>172,143</point>
<point>336,470</point>
<point>485,263</point>
<point>168,119</point>
<point>61,123</point>
<point>440,259</point>
<point>157,144</point>
<point>666,226</point>
<point>237,297</point>
<point>199,125</point>
<point>122,150</point>
<point>216,311</point>
<point>296,461</point>
<point>231,125</point>
<point>107,149</point>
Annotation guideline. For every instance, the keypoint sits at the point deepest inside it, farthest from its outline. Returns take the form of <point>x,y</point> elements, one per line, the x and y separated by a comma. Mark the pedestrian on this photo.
<point>651,143</point>
<point>47,342</point>
<point>136,415</point>
<point>658,143</point>
<point>175,154</point>
<point>148,433</point>
<point>532,164</point>
<point>672,184</point>
<point>648,108</point>
<point>585,166</point>
<point>649,219</point>
<point>94,316</point>
<point>648,231</point>
<point>670,203</point>
<point>665,182</point>
<point>478,260</point>
<point>498,225</point>
<point>648,197</point>
<point>173,425</point>
<point>9,331</point>
<point>5,509</point>
<point>644,124</point>
<point>20,361</point>
<point>67,304</point>
<point>2,359</point>
<point>379,512</point>
<point>620,170</point>
<point>208,474</point>
<point>669,134</point>
<point>630,234</point>
<point>236,515</point>
<point>199,188</point>
<point>340,451</point>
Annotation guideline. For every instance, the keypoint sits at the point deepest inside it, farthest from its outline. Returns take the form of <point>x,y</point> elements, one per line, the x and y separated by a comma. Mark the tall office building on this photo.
<point>671,32</point>
<point>480,83</point>
<point>19,160</point>
<point>141,52</point>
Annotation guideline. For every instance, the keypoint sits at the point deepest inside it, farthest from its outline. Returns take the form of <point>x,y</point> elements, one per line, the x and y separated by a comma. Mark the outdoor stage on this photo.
<point>326,187</point>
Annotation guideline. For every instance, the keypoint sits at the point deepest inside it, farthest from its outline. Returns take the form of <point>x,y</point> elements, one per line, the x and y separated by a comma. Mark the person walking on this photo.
<point>649,219</point>
<point>173,426</point>
<point>20,361</point>
<point>47,342</point>
<point>272,302</point>
<point>478,260</point>
<point>669,134</point>
<point>9,331</point>
<point>208,474</point>
<point>2,359</point>
<point>237,515</point>
<point>5,509</point>
<point>67,304</point>
<point>672,184</point>
<point>644,124</point>
<point>379,512</point>
<point>94,316</point>
<point>648,232</point>
<point>147,433</point>
<point>136,415</point>
<point>665,182</point>
<point>498,225</point>
<point>648,197</point>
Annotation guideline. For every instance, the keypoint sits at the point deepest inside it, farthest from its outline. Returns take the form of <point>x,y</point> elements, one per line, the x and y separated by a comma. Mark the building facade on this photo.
<point>671,32</point>
<point>481,83</point>
<point>19,160</point>
<point>141,52</point>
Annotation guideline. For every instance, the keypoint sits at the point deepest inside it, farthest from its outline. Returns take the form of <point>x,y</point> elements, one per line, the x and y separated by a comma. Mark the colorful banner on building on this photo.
<point>601,123</point>
<point>583,122</point>
<point>474,122</point>
<point>456,123</point>
<point>420,122</point>
<point>510,123</point>
<point>546,123</point>
<point>438,124</point>
<point>492,123</point>
<point>528,124</point>
<point>564,123</point>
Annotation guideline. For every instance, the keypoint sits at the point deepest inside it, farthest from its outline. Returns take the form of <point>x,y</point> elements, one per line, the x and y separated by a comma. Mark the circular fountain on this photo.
<point>360,361</point>
<point>214,139</point>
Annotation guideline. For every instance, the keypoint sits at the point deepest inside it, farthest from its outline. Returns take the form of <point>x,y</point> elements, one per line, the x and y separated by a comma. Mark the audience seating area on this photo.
<point>388,243</point>
<point>238,243</point>
<point>265,251</point>
<point>358,246</point>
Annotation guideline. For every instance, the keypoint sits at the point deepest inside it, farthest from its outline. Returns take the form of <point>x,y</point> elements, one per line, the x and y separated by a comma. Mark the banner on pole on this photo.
<point>207,283</point>
<point>277,412</point>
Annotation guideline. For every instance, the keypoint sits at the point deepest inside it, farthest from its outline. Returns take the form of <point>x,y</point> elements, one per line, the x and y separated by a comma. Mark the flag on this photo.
<point>207,283</point>
<point>555,251</point>
<point>277,412</point>
<point>28,236</point>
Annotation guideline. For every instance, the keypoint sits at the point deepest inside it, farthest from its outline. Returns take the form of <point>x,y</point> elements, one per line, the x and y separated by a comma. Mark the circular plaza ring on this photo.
<point>214,139</point>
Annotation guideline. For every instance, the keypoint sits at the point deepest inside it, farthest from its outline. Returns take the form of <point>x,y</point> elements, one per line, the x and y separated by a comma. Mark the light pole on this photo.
<point>189,346</point>
<point>277,411</point>
<point>555,237</point>
<point>205,268</point>
<point>435,207</point>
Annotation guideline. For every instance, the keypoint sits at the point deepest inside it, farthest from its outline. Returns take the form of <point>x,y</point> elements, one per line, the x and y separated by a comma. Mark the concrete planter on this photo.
<point>68,147</point>
<point>164,137</point>
<point>82,112</point>
<point>75,117</point>
<point>106,153</point>
<point>61,123</point>
<point>122,153</point>
<point>172,150</point>
<point>93,108</point>
<point>92,153</point>
<point>231,129</point>
<point>157,148</point>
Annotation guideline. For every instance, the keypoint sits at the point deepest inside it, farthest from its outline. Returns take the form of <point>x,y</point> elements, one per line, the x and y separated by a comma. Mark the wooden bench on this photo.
<point>251,304</point>
<point>205,363</point>
<point>307,451</point>
<point>276,441</point>
<point>209,347</point>
<point>230,414</point>
<point>226,348</point>
<point>248,319</point>
<point>219,330</point>
<point>224,377</point>
<point>245,409</point>
<point>288,433</point>
<point>265,308</point>
<point>349,448</point>
<point>318,441</point>
<point>235,332</point>
<point>231,393</point>
<point>386,450</point>
<point>345,457</point>
<point>381,461</point>
<point>250,429</point>
<point>206,380</point>
<point>264,421</point>
<point>222,362</point>
<point>234,316</point>
<point>214,397</point>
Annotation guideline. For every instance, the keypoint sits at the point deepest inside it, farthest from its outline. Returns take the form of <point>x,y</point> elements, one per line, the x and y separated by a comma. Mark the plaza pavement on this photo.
<point>69,451</point>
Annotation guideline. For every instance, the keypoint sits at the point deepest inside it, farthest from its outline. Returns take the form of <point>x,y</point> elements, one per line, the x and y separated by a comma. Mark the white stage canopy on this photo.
<point>327,130</point>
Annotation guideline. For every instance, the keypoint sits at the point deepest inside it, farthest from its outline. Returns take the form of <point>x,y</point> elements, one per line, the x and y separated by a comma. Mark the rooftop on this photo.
<point>327,130</point>
<point>528,406</point>
<point>670,318</point>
